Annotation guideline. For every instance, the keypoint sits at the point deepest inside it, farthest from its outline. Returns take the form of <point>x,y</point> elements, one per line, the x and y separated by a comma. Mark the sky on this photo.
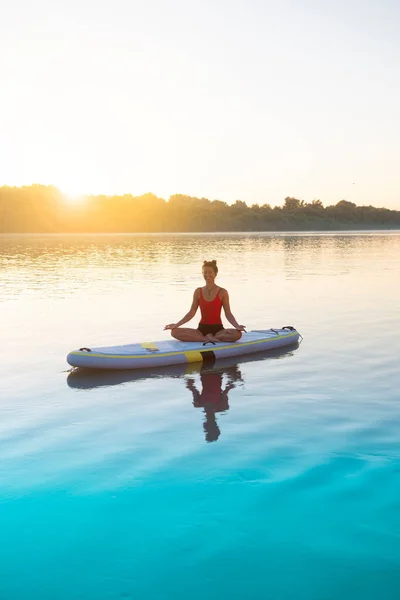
<point>224,99</point>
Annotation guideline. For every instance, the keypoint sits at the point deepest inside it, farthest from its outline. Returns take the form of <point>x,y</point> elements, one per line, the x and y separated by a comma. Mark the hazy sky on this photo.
<point>240,99</point>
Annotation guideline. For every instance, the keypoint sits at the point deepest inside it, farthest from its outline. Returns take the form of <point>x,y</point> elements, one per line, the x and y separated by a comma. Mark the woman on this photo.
<point>211,299</point>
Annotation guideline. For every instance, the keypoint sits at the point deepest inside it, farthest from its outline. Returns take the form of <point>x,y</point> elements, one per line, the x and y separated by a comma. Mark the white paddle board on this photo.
<point>172,352</point>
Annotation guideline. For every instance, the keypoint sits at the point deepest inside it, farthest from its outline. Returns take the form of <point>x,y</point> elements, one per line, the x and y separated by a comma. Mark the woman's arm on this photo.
<point>228,312</point>
<point>195,392</point>
<point>189,315</point>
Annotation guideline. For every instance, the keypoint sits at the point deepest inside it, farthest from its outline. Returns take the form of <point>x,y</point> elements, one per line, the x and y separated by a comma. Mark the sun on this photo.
<point>73,198</point>
<point>73,193</point>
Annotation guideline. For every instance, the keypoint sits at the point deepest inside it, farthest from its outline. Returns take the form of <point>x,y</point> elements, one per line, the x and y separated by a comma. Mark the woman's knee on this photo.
<point>238,334</point>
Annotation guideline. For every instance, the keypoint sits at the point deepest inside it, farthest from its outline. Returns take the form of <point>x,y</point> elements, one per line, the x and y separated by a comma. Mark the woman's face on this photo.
<point>208,274</point>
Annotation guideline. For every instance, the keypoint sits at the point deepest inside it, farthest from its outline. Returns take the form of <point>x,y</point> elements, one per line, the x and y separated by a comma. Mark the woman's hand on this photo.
<point>241,328</point>
<point>190,384</point>
<point>170,326</point>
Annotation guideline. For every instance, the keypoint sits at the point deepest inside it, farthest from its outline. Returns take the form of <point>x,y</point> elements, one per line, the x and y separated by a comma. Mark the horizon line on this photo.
<point>69,196</point>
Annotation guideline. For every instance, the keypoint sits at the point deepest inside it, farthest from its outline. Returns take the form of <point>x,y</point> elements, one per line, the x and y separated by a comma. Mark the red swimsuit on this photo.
<point>210,310</point>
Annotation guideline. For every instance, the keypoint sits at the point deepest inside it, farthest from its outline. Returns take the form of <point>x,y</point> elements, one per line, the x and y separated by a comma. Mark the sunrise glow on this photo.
<point>296,99</point>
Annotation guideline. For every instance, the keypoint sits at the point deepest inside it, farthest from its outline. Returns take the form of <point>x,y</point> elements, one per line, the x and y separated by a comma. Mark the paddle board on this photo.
<point>81,378</point>
<point>173,352</point>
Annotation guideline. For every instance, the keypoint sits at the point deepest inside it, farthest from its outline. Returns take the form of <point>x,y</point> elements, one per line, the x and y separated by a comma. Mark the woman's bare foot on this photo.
<point>211,338</point>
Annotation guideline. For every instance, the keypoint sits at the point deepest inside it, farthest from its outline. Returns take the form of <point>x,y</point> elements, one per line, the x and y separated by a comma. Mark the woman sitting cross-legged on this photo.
<point>211,300</point>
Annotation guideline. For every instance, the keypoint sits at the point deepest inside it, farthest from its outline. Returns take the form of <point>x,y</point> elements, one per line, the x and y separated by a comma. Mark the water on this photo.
<point>129,486</point>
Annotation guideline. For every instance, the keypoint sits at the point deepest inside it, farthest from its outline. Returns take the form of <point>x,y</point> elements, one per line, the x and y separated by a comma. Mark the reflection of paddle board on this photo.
<point>172,352</point>
<point>93,378</point>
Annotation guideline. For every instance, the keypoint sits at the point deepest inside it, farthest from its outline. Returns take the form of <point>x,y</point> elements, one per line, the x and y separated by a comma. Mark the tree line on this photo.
<point>44,209</point>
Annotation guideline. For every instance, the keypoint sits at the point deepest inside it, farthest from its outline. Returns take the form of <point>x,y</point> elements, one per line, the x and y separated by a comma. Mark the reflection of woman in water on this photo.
<point>212,397</point>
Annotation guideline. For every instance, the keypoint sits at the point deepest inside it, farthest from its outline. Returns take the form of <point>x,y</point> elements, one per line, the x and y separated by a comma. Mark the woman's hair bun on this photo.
<point>212,264</point>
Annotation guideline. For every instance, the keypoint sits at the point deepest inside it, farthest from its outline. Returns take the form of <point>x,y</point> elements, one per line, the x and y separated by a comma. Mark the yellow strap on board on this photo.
<point>193,356</point>
<point>150,346</point>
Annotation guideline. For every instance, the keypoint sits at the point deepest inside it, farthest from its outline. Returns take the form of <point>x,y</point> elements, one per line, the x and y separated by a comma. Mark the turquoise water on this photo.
<point>285,485</point>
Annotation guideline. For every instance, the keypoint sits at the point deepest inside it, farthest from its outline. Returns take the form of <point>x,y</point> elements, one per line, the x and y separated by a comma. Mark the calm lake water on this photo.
<point>120,487</point>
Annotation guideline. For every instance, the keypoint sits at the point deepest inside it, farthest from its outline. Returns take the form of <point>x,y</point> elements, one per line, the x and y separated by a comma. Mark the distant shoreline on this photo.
<point>359,230</point>
<point>44,209</point>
